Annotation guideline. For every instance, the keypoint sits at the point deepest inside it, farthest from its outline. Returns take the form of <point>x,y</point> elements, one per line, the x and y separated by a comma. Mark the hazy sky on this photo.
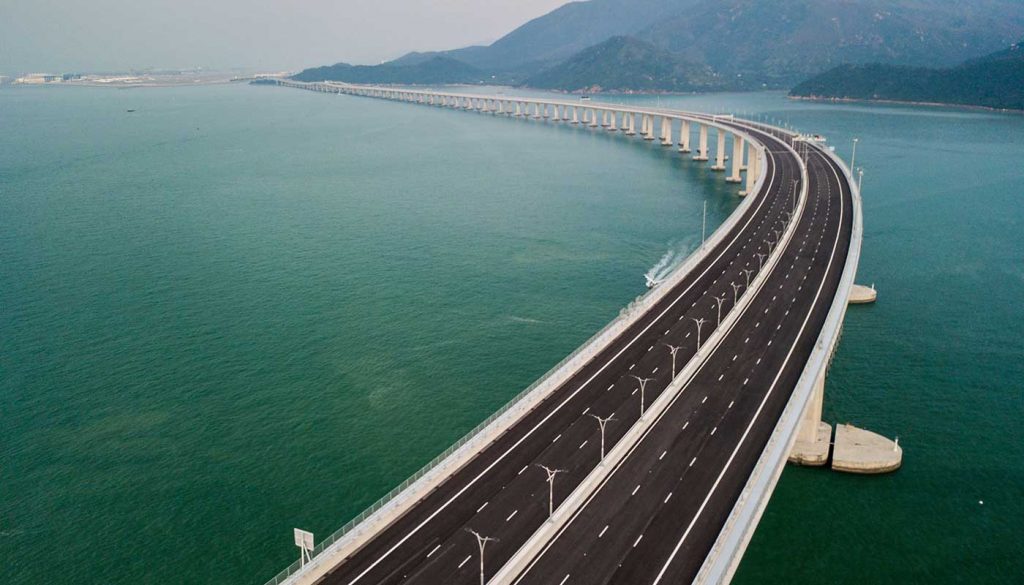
<point>97,35</point>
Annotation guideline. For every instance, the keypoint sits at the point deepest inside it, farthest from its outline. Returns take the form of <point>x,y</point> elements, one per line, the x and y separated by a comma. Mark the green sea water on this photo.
<point>241,309</point>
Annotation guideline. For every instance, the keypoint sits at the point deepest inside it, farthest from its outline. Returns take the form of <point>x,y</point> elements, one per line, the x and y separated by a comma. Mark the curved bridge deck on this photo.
<point>670,501</point>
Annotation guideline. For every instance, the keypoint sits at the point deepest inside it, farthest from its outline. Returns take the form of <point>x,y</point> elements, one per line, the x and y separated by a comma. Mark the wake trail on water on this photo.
<point>669,261</point>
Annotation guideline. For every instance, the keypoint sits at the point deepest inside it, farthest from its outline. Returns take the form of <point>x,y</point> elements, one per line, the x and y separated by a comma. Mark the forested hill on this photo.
<point>994,81</point>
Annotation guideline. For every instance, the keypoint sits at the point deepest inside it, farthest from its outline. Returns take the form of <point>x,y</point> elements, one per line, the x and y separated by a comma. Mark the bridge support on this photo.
<point>719,152</point>
<point>813,437</point>
<point>737,160</point>
<point>751,171</point>
<point>684,137</point>
<point>702,145</point>
<point>611,125</point>
<point>629,122</point>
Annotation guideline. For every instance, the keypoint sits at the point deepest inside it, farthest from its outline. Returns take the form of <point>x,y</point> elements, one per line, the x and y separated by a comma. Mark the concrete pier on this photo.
<point>861,451</point>
<point>737,160</point>
<point>666,131</point>
<point>719,152</point>
<point>862,295</point>
<point>702,145</point>
<point>684,137</point>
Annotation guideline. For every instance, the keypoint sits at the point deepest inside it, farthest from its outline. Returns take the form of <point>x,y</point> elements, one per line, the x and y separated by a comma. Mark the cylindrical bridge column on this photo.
<point>752,169</point>
<point>666,131</point>
<point>719,151</point>
<point>684,137</point>
<point>649,127</point>
<point>629,122</point>
<point>575,115</point>
<point>737,159</point>
<point>702,146</point>
<point>611,126</point>
<point>593,118</point>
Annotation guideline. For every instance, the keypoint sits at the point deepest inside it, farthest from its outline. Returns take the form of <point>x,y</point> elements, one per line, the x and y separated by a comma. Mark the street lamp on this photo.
<point>853,157</point>
<point>673,349</point>
<point>735,292</point>
<point>551,487</point>
<point>700,323</point>
<point>860,178</point>
<point>643,386</point>
<point>747,272</point>
<point>602,422</point>
<point>720,300</point>
<point>481,541</point>
<point>704,225</point>
<point>760,260</point>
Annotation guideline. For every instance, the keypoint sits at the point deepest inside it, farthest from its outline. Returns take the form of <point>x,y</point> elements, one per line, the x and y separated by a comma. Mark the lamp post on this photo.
<point>853,157</point>
<point>735,292</point>
<point>719,301</point>
<point>643,386</point>
<point>551,487</point>
<point>747,273</point>
<point>860,178</point>
<point>760,260</point>
<point>673,349</point>
<point>704,225</point>
<point>481,542</point>
<point>602,422</point>
<point>700,323</point>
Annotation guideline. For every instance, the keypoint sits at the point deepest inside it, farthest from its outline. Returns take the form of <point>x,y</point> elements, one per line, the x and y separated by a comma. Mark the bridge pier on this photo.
<point>611,125</point>
<point>593,118</point>
<point>737,160</point>
<point>751,171</point>
<point>719,152</point>
<point>629,124</point>
<point>666,131</point>
<point>684,137</point>
<point>702,148</point>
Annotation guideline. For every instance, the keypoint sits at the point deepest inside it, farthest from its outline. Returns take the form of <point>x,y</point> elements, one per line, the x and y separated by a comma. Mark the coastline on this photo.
<point>848,100</point>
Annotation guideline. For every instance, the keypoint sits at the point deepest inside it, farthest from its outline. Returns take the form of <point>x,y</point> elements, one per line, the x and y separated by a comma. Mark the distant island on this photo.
<point>705,45</point>
<point>994,81</point>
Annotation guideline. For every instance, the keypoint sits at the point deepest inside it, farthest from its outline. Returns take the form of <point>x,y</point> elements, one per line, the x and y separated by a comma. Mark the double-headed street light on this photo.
<point>719,300</point>
<point>673,349</point>
<point>643,387</point>
<point>760,260</point>
<point>481,542</point>
<point>602,422</point>
<point>735,292</point>
<point>551,487</point>
<point>747,272</point>
<point>700,323</point>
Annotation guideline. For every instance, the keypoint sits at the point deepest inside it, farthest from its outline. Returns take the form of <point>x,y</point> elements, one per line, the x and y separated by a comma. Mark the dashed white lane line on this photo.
<point>705,400</point>
<point>465,560</point>
<point>556,438</point>
<point>510,516</point>
<point>635,490</point>
<point>603,530</point>
<point>482,507</point>
<point>654,370</point>
<point>631,367</point>
<point>522,470</point>
<point>610,387</point>
<point>564,579</point>
<point>731,403</point>
<point>433,551</point>
<point>585,411</point>
<point>713,430</point>
<point>665,502</point>
<point>583,443</point>
<point>686,424</point>
<point>694,460</point>
<point>637,541</point>
<point>745,380</point>
<point>720,376</point>
<point>662,455</point>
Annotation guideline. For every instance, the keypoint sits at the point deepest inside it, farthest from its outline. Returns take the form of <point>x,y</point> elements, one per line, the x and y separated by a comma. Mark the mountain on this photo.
<point>994,81</point>
<point>436,69</point>
<point>626,63</point>
<point>754,43</point>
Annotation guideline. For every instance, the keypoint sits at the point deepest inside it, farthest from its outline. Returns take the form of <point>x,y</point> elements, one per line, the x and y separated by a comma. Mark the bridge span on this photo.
<point>649,454</point>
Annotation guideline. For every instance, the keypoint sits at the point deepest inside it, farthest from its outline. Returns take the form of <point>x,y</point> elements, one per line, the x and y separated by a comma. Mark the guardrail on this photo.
<point>384,510</point>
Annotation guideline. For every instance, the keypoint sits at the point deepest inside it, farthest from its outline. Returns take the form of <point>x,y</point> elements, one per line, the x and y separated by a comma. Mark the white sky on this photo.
<point>108,35</point>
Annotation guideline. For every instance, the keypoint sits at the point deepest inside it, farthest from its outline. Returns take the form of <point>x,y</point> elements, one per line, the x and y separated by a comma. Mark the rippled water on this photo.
<point>240,309</point>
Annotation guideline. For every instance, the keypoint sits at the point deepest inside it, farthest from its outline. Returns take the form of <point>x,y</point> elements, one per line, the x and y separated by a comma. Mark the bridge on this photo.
<point>649,454</point>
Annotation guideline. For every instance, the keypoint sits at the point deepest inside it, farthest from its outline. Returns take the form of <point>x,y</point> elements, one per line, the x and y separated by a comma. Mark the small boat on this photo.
<point>130,111</point>
<point>584,98</point>
<point>651,282</point>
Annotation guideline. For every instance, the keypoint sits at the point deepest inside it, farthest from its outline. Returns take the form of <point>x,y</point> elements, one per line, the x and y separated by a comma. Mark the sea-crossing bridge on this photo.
<point>648,455</point>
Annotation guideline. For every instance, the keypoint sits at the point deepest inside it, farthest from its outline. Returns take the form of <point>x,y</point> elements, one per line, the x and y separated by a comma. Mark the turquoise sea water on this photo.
<point>242,309</point>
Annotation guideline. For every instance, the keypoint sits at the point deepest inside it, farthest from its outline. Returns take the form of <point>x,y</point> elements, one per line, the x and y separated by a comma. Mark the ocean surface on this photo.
<point>239,310</point>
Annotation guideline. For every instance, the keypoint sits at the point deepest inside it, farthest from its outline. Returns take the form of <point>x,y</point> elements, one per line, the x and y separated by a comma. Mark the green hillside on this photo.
<point>433,70</point>
<point>994,81</point>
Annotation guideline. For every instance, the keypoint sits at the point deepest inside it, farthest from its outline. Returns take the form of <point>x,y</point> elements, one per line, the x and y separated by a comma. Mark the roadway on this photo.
<point>502,492</point>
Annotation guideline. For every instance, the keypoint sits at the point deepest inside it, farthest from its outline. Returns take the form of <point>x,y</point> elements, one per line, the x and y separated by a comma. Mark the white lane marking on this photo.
<point>745,380</point>
<point>662,455</point>
<point>433,551</point>
<point>665,502</point>
<point>564,579</point>
<point>731,403</point>
<point>654,370</point>
<point>558,437</point>
<point>603,530</point>
<point>522,470</point>
<point>637,541</point>
<point>465,560</point>
<point>585,411</point>
<point>635,490</point>
<point>760,408</point>
<point>583,443</point>
<point>705,400</point>
<point>514,512</point>
<point>693,461</point>
<point>482,507</point>
<point>610,387</point>
<point>720,376</point>
<point>633,366</point>
<point>713,430</point>
<point>686,424</point>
